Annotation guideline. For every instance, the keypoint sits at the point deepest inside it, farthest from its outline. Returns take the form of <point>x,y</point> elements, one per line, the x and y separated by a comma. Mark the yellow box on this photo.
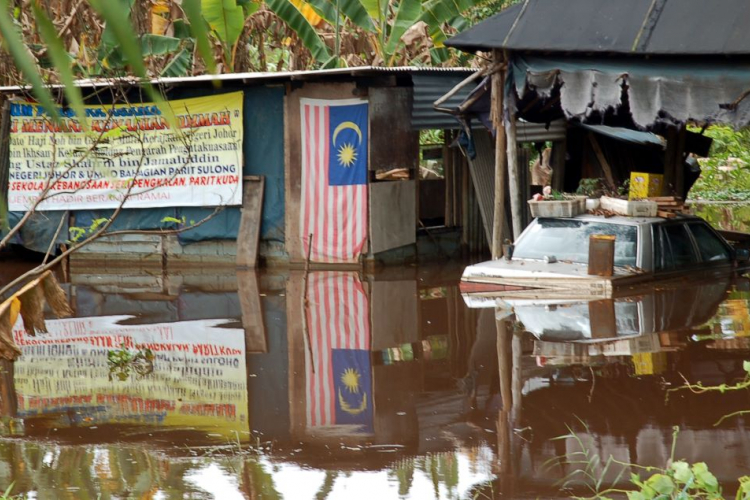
<point>650,363</point>
<point>643,185</point>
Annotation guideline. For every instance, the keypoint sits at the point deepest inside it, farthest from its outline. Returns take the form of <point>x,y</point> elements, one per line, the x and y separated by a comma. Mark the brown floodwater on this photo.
<point>348,386</point>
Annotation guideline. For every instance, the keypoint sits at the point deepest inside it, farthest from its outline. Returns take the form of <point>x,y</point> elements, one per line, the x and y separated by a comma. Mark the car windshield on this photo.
<point>568,240</point>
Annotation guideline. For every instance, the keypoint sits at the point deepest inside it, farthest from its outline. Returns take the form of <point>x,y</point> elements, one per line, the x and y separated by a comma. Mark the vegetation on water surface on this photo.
<point>123,360</point>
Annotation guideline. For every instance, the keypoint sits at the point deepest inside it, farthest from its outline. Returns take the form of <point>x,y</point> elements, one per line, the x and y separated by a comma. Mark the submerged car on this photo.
<point>552,254</point>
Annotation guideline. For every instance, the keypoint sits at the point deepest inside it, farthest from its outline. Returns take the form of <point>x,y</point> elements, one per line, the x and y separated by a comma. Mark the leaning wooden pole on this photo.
<point>498,91</point>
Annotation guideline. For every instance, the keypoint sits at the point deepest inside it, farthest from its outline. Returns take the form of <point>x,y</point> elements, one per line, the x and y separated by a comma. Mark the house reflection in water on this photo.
<point>386,384</point>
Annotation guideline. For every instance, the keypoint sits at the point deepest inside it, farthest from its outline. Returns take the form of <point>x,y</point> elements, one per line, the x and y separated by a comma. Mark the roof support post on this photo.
<point>514,185</point>
<point>498,90</point>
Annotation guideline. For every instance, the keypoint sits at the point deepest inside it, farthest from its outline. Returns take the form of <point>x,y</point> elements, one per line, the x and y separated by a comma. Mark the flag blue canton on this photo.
<point>352,384</point>
<point>347,126</point>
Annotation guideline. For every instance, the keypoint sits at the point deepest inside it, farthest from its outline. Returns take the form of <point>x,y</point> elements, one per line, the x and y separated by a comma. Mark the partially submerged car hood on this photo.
<point>520,268</point>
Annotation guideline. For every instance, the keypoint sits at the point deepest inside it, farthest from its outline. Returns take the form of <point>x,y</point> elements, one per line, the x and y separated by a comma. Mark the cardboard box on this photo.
<point>643,185</point>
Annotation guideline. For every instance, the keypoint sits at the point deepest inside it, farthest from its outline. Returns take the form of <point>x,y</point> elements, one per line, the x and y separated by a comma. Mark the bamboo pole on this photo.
<point>498,89</point>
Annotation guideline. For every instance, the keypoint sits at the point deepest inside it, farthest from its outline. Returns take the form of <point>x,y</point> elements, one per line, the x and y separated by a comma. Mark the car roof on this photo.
<point>629,221</point>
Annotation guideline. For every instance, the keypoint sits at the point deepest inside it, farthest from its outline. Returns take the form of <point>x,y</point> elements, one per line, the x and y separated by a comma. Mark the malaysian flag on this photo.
<point>334,178</point>
<point>338,368</point>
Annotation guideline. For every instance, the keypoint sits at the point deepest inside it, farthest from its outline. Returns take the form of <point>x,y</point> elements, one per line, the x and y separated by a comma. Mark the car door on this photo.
<point>712,249</point>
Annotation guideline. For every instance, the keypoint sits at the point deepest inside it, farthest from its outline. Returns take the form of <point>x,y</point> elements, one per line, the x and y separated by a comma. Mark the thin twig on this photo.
<point>54,238</point>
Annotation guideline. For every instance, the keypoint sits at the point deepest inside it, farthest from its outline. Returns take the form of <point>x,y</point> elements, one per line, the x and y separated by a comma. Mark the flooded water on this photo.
<point>340,385</point>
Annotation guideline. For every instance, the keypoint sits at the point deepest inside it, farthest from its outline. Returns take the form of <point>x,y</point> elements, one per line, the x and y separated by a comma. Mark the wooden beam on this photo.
<point>498,90</point>
<point>602,161</point>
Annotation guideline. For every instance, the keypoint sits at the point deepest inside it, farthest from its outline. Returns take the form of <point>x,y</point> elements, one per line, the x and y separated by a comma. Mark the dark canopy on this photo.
<point>632,63</point>
<point>645,27</point>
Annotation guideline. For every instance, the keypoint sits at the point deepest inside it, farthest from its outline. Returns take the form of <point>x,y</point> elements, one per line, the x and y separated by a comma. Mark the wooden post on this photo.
<point>669,162</point>
<point>514,184</point>
<point>504,424</point>
<point>559,152</point>
<point>498,89</point>
<point>448,176</point>
<point>679,160</point>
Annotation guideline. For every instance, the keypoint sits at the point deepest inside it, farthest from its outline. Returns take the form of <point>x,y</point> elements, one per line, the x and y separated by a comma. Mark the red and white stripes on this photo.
<point>336,216</point>
<point>337,317</point>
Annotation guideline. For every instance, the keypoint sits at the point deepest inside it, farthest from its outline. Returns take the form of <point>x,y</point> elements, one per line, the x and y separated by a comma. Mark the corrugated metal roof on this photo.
<point>428,88</point>
<point>654,27</point>
<point>269,76</point>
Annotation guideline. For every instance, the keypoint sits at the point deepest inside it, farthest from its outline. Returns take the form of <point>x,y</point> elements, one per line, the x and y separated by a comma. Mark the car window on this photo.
<point>658,251</point>
<point>711,248</point>
<point>681,251</point>
<point>568,240</point>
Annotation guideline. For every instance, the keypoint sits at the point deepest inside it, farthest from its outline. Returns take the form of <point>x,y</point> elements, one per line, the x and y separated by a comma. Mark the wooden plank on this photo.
<point>660,199</point>
<point>393,143</point>
<point>602,161</point>
<point>253,321</point>
<point>665,214</point>
<point>248,235</point>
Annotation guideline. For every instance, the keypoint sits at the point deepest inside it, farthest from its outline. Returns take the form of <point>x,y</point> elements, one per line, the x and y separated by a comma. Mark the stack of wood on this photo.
<point>669,206</point>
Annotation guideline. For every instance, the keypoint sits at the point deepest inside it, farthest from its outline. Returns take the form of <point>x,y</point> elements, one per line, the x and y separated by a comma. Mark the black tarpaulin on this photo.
<point>674,92</point>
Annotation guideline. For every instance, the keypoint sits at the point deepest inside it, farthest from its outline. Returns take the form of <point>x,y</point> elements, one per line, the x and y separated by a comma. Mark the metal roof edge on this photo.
<point>255,76</point>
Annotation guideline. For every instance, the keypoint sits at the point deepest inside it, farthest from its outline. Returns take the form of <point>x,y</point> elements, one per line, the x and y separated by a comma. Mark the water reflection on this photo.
<point>339,385</point>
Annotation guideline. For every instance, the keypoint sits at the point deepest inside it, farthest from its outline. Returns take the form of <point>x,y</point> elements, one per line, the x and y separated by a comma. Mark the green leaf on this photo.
<point>226,19</point>
<point>437,12</point>
<point>325,9</point>
<point>746,366</point>
<point>159,45</point>
<point>661,484</point>
<point>635,495</point>
<point>408,13</point>
<point>62,61</point>
<point>114,13</point>
<point>181,29</point>
<point>374,8</point>
<point>356,12</point>
<point>681,471</point>
<point>250,7</point>
<point>192,9</point>
<point>14,45</point>
<point>288,13</point>
<point>704,479</point>
<point>179,65</point>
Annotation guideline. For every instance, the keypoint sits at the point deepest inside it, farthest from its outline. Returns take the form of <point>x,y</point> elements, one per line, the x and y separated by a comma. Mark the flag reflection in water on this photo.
<point>338,364</point>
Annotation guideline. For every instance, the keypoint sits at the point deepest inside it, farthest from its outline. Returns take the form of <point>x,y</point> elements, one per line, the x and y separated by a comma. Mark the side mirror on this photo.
<point>742,255</point>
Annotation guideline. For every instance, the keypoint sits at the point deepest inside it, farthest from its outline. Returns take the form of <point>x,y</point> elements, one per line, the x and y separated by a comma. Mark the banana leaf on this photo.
<point>180,63</point>
<point>436,12</point>
<point>407,14</point>
<point>62,62</point>
<point>198,28</point>
<point>288,13</point>
<point>13,43</point>
<point>226,19</point>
